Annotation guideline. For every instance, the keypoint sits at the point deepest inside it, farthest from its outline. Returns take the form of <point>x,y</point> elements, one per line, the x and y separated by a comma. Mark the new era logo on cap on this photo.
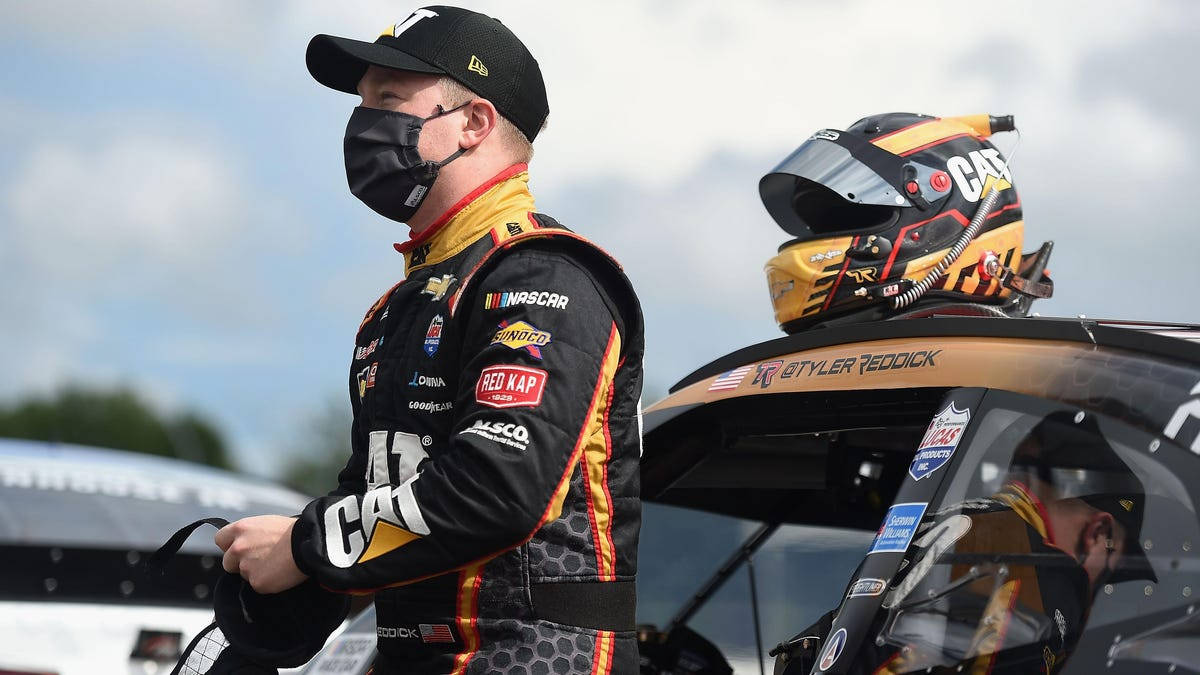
<point>474,49</point>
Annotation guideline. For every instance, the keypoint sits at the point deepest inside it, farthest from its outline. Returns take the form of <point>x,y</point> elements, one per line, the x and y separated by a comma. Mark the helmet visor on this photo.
<point>859,173</point>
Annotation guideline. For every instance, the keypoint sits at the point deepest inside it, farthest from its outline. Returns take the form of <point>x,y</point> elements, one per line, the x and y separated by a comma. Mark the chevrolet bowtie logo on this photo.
<point>437,287</point>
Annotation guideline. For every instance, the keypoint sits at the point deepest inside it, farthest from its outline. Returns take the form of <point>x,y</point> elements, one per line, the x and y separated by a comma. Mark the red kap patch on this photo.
<point>510,387</point>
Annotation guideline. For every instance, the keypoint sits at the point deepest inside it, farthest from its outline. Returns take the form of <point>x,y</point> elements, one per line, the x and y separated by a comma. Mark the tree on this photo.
<point>117,419</point>
<point>321,452</point>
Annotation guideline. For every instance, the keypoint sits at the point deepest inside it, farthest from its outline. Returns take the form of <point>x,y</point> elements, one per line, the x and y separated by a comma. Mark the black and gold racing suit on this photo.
<point>491,498</point>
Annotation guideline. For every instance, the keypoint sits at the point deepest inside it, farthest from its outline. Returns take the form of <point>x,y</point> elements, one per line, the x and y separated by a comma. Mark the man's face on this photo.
<point>416,94</point>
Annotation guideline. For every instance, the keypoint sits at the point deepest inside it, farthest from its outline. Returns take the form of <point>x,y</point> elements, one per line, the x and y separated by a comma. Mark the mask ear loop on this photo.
<point>440,113</point>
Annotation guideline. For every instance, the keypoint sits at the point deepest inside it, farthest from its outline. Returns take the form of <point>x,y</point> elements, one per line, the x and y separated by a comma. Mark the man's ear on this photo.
<point>482,119</point>
<point>1101,531</point>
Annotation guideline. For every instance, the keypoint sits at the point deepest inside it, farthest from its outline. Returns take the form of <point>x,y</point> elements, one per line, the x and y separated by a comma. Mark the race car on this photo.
<point>1027,485</point>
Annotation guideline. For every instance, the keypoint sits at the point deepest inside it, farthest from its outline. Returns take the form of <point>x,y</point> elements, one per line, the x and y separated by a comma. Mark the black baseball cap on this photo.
<point>474,49</point>
<point>1059,442</point>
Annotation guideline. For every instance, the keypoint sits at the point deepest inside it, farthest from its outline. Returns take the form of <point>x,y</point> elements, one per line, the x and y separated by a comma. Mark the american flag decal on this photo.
<point>729,379</point>
<point>435,632</point>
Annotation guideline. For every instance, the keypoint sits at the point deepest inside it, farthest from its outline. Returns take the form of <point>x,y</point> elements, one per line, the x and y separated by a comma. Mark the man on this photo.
<point>1024,564</point>
<point>491,499</point>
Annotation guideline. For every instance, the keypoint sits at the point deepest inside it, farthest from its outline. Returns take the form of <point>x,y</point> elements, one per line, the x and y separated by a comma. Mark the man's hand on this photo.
<point>260,549</point>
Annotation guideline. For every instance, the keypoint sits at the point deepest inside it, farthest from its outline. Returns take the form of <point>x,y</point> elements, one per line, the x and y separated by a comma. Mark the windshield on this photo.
<point>1054,533</point>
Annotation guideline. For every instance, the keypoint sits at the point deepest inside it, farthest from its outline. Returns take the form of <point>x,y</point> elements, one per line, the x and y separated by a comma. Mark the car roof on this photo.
<point>57,494</point>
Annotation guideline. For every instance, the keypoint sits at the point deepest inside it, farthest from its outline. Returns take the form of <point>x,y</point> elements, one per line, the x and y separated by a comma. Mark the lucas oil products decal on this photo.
<point>510,386</point>
<point>433,336</point>
<point>898,528</point>
<point>939,442</point>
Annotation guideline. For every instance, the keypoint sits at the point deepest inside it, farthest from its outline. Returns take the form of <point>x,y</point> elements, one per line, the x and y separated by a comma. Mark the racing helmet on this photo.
<point>882,216</point>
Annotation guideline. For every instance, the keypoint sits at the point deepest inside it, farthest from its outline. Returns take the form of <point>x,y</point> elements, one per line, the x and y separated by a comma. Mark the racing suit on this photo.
<point>491,498</point>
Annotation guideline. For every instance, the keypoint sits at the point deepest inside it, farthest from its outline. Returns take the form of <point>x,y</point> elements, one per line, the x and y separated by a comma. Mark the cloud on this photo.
<point>195,259</point>
<point>82,212</point>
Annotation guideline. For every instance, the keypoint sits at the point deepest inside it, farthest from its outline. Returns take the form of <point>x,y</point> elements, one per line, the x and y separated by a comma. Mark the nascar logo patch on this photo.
<point>513,298</point>
<point>522,335</point>
<point>510,387</point>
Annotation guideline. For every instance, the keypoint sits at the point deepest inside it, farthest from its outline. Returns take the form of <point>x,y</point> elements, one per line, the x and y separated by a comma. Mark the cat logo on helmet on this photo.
<point>970,173</point>
<point>915,182</point>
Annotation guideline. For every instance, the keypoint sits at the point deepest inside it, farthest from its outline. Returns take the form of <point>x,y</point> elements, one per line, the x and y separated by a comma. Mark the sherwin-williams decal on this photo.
<point>510,387</point>
<point>939,442</point>
<point>898,528</point>
<point>522,335</point>
<point>433,336</point>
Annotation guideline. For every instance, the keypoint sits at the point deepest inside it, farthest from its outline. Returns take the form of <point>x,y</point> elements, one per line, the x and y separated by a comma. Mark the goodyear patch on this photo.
<point>939,442</point>
<point>522,335</point>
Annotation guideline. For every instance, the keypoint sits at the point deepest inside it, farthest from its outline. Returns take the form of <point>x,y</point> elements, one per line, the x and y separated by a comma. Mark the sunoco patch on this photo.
<point>898,528</point>
<point>939,442</point>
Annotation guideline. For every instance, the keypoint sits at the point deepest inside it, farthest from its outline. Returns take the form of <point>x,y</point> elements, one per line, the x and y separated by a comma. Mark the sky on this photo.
<point>174,215</point>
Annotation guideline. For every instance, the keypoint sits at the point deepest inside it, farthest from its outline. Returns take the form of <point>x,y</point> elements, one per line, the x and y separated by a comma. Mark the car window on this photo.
<point>800,573</point>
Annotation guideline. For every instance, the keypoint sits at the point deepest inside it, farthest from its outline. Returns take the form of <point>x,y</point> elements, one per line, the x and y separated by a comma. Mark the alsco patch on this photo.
<point>510,386</point>
<point>433,336</point>
<point>522,335</point>
<point>939,442</point>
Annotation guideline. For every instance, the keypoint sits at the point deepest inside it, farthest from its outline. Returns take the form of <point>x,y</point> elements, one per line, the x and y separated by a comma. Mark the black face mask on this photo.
<point>383,167</point>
